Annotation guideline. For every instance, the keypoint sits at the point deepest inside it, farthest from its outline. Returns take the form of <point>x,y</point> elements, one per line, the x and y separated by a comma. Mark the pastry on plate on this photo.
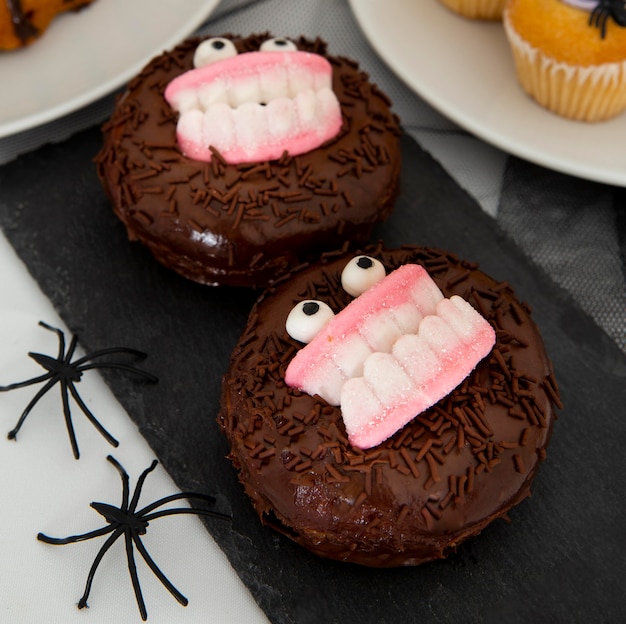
<point>24,21</point>
<point>234,158</point>
<point>381,409</point>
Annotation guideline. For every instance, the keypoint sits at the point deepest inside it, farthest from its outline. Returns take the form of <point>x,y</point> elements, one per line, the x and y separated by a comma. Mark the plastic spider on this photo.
<point>605,9</point>
<point>132,524</point>
<point>67,372</point>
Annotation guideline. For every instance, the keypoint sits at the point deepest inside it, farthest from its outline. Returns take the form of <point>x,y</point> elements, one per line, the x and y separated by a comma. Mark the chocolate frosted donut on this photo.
<point>440,478</point>
<point>235,181</point>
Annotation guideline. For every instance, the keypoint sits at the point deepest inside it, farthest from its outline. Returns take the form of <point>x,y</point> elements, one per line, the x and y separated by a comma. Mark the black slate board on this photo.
<point>561,560</point>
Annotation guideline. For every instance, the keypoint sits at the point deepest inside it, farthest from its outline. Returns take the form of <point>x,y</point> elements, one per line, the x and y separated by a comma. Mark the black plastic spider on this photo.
<point>62,370</point>
<point>605,9</point>
<point>132,524</point>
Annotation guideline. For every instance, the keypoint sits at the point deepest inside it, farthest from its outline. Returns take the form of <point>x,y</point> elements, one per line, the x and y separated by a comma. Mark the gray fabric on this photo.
<point>570,228</point>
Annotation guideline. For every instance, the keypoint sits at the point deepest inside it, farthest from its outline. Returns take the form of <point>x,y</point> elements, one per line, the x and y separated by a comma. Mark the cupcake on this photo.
<point>477,9</point>
<point>570,55</point>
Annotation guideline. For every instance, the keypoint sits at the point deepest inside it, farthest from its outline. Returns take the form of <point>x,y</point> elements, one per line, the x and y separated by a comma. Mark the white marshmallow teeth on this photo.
<point>392,353</point>
<point>256,105</point>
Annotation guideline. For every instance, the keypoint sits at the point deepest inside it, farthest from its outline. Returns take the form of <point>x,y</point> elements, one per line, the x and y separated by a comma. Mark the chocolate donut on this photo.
<point>442,477</point>
<point>305,171</point>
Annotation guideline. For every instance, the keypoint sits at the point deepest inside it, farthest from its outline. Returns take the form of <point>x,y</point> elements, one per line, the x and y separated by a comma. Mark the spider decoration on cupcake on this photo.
<point>126,520</point>
<point>606,9</point>
<point>67,373</point>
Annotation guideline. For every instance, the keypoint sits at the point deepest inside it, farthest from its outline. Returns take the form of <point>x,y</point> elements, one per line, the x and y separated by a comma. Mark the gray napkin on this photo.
<point>576,231</point>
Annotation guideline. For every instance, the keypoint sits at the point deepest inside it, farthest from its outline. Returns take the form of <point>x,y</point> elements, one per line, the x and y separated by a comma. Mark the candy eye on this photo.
<point>212,50</point>
<point>360,274</point>
<point>278,44</point>
<point>307,319</point>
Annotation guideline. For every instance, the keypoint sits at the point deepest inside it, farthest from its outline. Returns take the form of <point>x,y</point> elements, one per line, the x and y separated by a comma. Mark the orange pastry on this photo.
<point>477,9</point>
<point>570,55</point>
<point>23,21</point>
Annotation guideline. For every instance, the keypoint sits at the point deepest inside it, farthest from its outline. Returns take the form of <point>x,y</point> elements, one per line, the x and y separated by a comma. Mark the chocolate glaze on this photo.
<point>245,224</point>
<point>439,480</point>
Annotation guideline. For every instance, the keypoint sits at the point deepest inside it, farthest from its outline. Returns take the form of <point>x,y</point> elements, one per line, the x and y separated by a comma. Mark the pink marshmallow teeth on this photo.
<point>256,206</point>
<point>393,352</point>
<point>254,106</point>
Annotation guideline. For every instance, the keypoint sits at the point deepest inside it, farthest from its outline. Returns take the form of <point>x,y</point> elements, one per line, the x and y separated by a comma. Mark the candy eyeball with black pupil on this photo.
<point>212,50</point>
<point>278,44</point>
<point>307,319</point>
<point>360,274</point>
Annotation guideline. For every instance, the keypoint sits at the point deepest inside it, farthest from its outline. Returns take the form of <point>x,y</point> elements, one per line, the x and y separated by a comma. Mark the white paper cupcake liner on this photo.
<point>586,93</point>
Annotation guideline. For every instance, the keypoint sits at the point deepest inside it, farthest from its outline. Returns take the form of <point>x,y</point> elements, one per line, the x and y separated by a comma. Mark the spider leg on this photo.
<point>187,510</point>
<point>119,366</point>
<point>94,566</point>
<point>13,433</point>
<point>125,481</point>
<point>61,336</point>
<point>90,356</point>
<point>172,497</point>
<point>157,571</point>
<point>144,515</point>
<point>60,541</point>
<point>92,419</point>
<point>28,382</point>
<point>82,363</point>
<point>70,352</point>
<point>598,18</point>
<point>140,482</point>
<point>132,568</point>
<point>68,419</point>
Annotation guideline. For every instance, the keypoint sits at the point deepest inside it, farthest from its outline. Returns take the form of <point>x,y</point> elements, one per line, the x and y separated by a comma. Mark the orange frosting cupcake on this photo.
<point>563,60</point>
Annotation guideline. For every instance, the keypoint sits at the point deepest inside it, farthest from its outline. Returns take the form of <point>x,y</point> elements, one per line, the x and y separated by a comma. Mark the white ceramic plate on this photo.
<point>464,69</point>
<point>87,54</point>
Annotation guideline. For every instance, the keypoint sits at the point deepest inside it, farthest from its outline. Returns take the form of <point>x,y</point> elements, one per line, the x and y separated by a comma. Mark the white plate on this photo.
<point>464,69</point>
<point>87,54</point>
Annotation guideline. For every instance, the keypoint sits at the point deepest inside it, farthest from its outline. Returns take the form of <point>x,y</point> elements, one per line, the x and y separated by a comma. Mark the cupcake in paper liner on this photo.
<point>570,55</point>
<point>477,9</point>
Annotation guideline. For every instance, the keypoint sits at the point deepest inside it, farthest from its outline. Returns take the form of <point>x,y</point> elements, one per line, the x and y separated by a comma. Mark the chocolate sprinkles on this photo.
<point>496,422</point>
<point>333,186</point>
